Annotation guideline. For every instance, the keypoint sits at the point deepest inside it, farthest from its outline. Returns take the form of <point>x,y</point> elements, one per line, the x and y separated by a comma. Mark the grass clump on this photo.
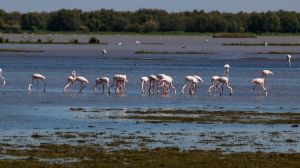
<point>19,50</point>
<point>94,40</point>
<point>261,44</point>
<point>171,52</point>
<point>234,35</point>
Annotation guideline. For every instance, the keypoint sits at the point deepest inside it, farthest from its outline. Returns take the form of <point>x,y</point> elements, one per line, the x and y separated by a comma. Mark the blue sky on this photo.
<point>169,5</point>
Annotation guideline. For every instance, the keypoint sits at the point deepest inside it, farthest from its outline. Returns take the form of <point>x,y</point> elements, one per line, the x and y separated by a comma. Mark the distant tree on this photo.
<point>65,20</point>
<point>150,26</point>
<point>289,24</point>
<point>33,21</point>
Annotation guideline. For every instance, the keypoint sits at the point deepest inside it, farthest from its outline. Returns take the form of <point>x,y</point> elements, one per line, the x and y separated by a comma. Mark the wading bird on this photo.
<point>71,81</point>
<point>261,82</point>
<point>104,81</point>
<point>224,80</point>
<point>119,84</point>
<point>144,81</point>
<point>191,82</point>
<point>83,82</point>
<point>1,76</point>
<point>152,81</point>
<point>103,51</point>
<point>289,57</point>
<point>37,77</point>
<point>166,82</point>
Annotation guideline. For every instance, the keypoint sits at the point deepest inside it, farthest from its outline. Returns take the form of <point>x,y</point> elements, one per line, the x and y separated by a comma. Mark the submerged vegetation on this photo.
<point>19,50</point>
<point>50,156</point>
<point>276,52</point>
<point>150,20</point>
<point>261,44</point>
<point>234,35</point>
<point>171,52</point>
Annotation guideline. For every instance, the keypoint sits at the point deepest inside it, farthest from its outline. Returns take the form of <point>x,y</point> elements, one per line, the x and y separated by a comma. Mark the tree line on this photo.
<point>150,20</point>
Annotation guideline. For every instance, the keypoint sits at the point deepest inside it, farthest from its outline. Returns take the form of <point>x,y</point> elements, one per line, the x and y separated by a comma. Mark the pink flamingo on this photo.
<point>71,81</point>
<point>261,82</point>
<point>191,82</point>
<point>153,79</point>
<point>144,81</point>
<point>224,80</point>
<point>166,82</point>
<point>1,76</point>
<point>37,77</point>
<point>119,83</point>
<point>83,82</point>
<point>101,81</point>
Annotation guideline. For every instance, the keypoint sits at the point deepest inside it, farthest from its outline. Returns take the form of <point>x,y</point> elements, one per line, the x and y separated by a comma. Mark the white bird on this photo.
<point>83,82</point>
<point>266,44</point>
<point>153,79</point>
<point>119,43</point>
<point>265,74</point>
<point>214,83</point>
<point>261,82</point>
<point>289,57</point>
<point>144,80</point>
<point>166,82</point>
<point>137,42</point>
<point>71,81</point>
<point>119,83</point>
<point>103,51</point>
<point>101,81</point>
<point>37,77</point>
<point>1,76</point>
<point>216,80</point>
<point>191,82</point>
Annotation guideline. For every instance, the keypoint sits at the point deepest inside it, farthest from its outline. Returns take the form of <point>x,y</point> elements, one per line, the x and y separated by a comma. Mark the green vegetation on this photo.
<point>94,156</point>
<point>171,52</point>
<point>276,52</point>
<point>150,20</point>
<point>94,40</point>
<point>242,117</point>
<point>233,35</point>
<point>261,44</point>
<point>19,50</point>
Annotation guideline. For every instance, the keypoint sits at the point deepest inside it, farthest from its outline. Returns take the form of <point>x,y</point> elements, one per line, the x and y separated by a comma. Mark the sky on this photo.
<point>169,5</point>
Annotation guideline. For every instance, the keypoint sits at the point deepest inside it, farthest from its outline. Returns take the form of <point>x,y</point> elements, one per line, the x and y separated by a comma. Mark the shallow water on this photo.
<point>23,112</point>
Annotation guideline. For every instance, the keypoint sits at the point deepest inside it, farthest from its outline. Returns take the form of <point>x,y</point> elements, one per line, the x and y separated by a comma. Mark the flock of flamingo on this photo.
<point>162,82</point>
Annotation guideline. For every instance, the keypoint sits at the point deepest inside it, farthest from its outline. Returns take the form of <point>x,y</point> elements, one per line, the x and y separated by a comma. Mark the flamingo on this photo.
<point>37,77</point>
<point>144,81</point>
<point>226,70</point>
<point>119,83</point>
<point>71,81</point>
<point>224,80</point>
<point>191,81</point>
<point>83,82</point>
<point>265,74</point>
<point>153,79</point>
<point>214,83</point>
<point>103,51</point>
<point>101,81</point>
<point>1,76</point>
<point>167,82</point>
<point>289,57</point>
<point>262,81</point>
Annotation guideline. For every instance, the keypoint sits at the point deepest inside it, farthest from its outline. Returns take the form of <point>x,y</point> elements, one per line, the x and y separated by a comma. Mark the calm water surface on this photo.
<point>24,112</point>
